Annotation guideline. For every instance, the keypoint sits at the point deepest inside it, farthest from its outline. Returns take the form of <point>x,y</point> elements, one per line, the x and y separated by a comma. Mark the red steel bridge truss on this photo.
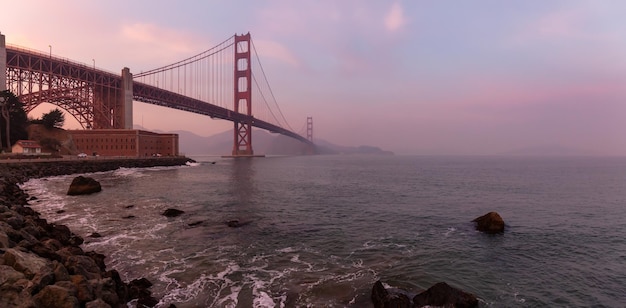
<point>217,83</point>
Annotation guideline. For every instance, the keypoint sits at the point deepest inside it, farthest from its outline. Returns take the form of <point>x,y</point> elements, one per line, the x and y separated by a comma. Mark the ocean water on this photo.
<point>320,230</point>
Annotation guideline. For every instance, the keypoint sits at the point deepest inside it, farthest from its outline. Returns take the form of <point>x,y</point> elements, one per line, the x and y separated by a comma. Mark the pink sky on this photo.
<point>414,77</point>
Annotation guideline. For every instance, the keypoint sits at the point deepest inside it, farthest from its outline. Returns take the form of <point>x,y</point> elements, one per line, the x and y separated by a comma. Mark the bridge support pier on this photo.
<point>113,106</point>
<point>127,100</point>
<point>3,63</point>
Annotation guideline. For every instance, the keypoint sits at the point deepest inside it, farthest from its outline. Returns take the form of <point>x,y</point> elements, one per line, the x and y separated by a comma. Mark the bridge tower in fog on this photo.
<point>243,96</point>
<point>309,129</point>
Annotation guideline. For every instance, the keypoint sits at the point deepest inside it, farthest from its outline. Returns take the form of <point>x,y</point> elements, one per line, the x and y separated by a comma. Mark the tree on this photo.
<point>54,118</point>
<point>15,127</point>
<point>50,144</point>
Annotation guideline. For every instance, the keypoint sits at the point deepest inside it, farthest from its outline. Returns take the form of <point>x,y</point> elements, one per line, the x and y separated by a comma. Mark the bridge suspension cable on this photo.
<point>209,77</point>
<point>278,121</point>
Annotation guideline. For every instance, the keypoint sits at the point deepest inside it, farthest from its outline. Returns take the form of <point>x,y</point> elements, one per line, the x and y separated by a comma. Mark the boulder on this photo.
<point>83,186</point>
<point>172,213</point>
<point>83,265</point>
<point>55,296</point>
<point>8,275</point>
<point>490,223</point>
<point>84,291</point>
<point>139,289</point>
<point>385,299</point>
<point>98,303</point>
<point>106,289</point>
<point>25,262</point>
<point>98,258</point>
<point>443,295</point>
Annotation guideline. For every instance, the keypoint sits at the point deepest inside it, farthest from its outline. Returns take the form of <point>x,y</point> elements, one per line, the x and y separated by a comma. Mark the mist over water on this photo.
<point>323,229</point>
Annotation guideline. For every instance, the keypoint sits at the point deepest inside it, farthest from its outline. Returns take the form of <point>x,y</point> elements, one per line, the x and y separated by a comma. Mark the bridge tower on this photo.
<point>243,96</point>
<point>309,128</point>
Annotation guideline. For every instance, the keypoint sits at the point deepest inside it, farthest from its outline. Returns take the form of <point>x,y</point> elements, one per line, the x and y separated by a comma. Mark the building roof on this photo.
<point>28,144</point>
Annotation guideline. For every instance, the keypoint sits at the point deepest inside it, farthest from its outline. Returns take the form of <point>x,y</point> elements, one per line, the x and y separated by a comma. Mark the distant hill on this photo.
<point>549,150</point>
<point>263,143</point>
<point>222,144</point>
<point>325,147</point>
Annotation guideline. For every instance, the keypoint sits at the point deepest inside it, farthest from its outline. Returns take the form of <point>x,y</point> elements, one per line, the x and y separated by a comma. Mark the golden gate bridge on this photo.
<point>221,82</point>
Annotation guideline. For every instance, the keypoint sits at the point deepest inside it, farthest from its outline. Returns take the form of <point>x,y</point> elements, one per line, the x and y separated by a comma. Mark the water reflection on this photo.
<point>242,180</point>
<point>243,189</point>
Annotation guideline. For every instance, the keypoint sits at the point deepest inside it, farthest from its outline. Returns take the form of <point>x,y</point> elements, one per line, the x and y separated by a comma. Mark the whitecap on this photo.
<point>296,259</point>
<point>286,249</point>
<point>262,299</point>
<point>450,231</point>
<point>128,172</point>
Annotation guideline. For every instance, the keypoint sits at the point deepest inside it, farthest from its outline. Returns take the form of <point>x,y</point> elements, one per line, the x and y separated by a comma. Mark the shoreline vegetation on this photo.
<point>41,263</point>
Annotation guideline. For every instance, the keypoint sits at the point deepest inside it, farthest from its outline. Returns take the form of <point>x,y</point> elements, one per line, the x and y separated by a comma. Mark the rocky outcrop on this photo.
<point>82,185</point>
<point>490,223</point>
<point>443,295</point>
<point>18,172</point>
<point>42,264</point>
<point>439,295</point>
<point>382,298</point>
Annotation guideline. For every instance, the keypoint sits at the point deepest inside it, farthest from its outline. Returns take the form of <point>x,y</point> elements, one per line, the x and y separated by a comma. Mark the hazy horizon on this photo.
<point>412,77</point>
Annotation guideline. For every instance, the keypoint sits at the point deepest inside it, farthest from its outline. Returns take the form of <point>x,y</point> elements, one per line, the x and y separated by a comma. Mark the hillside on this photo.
<point>264,143</point>
<point>53,140</point>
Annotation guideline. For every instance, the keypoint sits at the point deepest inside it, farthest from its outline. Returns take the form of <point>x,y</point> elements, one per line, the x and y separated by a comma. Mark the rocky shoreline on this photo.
<point>41,263</point>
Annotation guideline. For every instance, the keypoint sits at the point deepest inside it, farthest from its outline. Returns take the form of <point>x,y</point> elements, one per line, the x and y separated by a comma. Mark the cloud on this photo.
<point>277,51</point>
<point>153,35</point>
<point>148,43</point>
<point>583,24</point>
<point>395,19</point>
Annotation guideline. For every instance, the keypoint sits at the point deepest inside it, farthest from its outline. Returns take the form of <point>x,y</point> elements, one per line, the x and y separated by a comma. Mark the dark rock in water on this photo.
<point>236,223</point>
<point>98,258</point>
<point>147,301</point>
<point>138,288</point>
<point>60,211</point>
<point>95,235</point>
<point>195,223</point>
<point>490,223</point>
<point>384,299</point>
<point>443,295</point>
<point>83,186</point>
<point>60,232</point>
<point>172,213</point>
<point>128,217</point>
<point>129,206</point>
<point>140,283</point>
<point>32,198</point>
